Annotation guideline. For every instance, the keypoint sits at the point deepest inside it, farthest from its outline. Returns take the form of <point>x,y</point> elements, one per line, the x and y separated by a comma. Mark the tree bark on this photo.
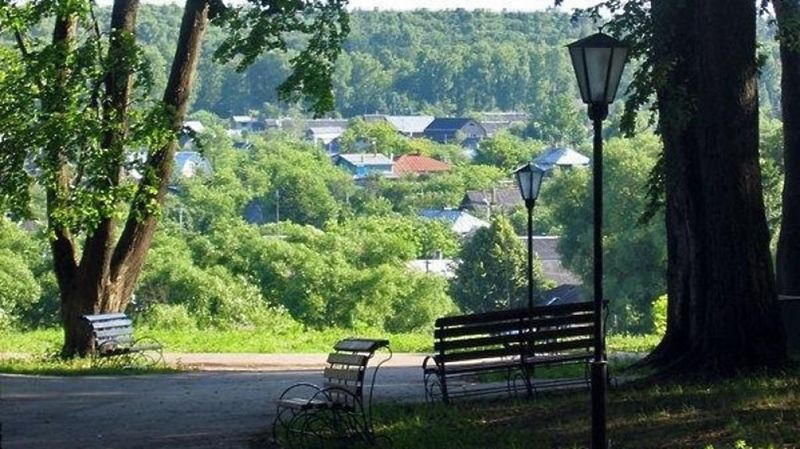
<point>788,254</point>
<point>107,274</point>
<point>722,312</point>
<point>62,243</point>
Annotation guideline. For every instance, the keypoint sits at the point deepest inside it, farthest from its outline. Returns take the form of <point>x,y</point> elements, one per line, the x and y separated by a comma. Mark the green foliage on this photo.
<point>634,254</point>
<point>492,272</point>
<point>18,287</point>
<point>507,151</point>
<point>671,415</point>
<point>659,315</point>
<point>259,340</point>
<point>168,316</point>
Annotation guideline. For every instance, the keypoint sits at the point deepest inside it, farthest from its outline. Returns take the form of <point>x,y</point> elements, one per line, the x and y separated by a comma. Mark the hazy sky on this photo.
<point>511,5</point>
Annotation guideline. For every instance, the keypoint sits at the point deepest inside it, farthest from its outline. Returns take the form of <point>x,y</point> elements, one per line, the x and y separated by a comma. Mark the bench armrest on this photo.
<point>428,358</point>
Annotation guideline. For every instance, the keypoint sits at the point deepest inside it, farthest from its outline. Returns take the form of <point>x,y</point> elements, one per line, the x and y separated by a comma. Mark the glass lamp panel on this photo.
<point>536,181</point>
<point>524,180</point>
<point>618,58</point>
<point>576,54</point>
<point>597,61</point>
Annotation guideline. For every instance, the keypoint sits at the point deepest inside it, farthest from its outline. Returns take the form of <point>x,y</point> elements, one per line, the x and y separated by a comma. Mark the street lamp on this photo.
<point>598,61</point>
<point>529,177</point>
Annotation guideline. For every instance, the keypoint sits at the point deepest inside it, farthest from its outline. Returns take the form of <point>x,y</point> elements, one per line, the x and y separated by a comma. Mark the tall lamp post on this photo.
<point>598,61</point>
<point>529,177</point>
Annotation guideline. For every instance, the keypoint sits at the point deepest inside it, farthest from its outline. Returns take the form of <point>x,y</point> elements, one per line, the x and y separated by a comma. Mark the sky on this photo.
<point>510,5</point>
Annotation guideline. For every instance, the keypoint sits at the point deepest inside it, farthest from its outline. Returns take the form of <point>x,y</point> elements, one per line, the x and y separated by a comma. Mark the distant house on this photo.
<point>493,122</point>
<point>545,248</point>
<point>362,165</point>
<point>241,123</point>
<point>561,157</point>
<point>417,164</point>
<point>190,163</point>
<point>465,131</point>
<point>327,136</point>
<point>485,202</point>
<point>462,223</point>
<point>407,125</point>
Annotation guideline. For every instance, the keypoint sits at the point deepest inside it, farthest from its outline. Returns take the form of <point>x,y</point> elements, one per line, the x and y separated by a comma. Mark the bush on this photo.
<point>659,314</point>
<point>169,316</point>
<point>18,287</point>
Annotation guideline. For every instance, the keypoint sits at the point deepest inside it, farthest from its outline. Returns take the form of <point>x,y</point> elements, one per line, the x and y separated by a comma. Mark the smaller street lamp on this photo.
<point>529,178</point>
<point>598,61</point>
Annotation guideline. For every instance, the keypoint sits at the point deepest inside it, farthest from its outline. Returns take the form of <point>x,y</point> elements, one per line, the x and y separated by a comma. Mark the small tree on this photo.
<point>492,272</point>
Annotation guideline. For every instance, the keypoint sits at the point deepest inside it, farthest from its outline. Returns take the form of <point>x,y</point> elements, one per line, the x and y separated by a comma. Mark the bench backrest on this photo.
<point>347,366</point>
<point>110,328</point>
<point>565,330</point>
<point>514,332</point>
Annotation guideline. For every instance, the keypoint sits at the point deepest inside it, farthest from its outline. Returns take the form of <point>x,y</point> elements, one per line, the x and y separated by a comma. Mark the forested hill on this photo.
<point>434,62</point>
<point>444,62</point>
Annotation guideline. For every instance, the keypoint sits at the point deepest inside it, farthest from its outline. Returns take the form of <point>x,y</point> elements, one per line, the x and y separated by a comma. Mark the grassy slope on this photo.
<point>763,411</point>
<point>264,341</point>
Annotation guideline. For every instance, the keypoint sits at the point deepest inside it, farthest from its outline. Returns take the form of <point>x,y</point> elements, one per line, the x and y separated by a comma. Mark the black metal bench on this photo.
<point>309,415</point>
<point>113,340</point>
<point>509,342</point>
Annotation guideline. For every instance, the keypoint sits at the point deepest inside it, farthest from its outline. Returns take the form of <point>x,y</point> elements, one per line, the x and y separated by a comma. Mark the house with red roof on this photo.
<point>417,164</point>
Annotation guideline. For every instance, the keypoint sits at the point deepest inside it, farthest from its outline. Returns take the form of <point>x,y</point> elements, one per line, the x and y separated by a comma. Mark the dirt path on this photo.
<point>202,409</point>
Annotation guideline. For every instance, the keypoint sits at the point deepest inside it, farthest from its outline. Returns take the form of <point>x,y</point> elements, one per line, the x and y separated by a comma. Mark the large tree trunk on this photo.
<point>788,257</point>
<point>107,274</point>
<point>722,313</point>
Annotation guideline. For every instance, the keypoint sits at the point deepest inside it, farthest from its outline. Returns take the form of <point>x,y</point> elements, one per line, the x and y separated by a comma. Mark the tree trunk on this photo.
<point>788,256</point>
<point>107,274</point>
<point>722,313</point>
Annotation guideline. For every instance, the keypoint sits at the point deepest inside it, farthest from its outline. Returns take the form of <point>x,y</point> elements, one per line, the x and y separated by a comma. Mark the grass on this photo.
<point>763,411</point>
<point>51,365</point>
<point>42,341</point>
<point>29,352</point>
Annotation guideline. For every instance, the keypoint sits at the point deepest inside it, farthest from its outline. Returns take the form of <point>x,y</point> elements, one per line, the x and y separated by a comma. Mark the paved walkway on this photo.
<point>271,362</point>
<point>227,400</point>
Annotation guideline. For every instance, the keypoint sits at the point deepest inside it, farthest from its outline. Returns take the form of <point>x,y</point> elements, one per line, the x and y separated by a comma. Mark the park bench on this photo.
<point>340,409</point>
<point>509,343</point>
<point>113,341</point>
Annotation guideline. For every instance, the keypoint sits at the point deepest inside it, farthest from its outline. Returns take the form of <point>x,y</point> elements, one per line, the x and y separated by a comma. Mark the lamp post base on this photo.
<point>599,382</point>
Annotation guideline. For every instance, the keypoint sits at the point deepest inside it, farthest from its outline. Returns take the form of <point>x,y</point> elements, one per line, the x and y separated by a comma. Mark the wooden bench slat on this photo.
<point>486,328</point>
<point>360,345</point>
<point>104,317</point>
<point>478,354</point>
<point>124,340</point>
<point>539,359</point>
<point>351,388</point>
<point>113,332</point>
<point>574,331</point>
<point>505,326</point>
<point>353,375</point>
<point>338,358</point>
<point>458,368</point>
<point>563,345</point>
<point>561,309</point>
<point>112,324</point>
<point>481,341</point>
<point>514,341</point>
<point>565,320</point>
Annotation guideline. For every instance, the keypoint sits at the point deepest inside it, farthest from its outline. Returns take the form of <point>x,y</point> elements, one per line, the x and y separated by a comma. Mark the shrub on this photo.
<point>659,314</point>
<point>18,287</point>
<point>169,316</point>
